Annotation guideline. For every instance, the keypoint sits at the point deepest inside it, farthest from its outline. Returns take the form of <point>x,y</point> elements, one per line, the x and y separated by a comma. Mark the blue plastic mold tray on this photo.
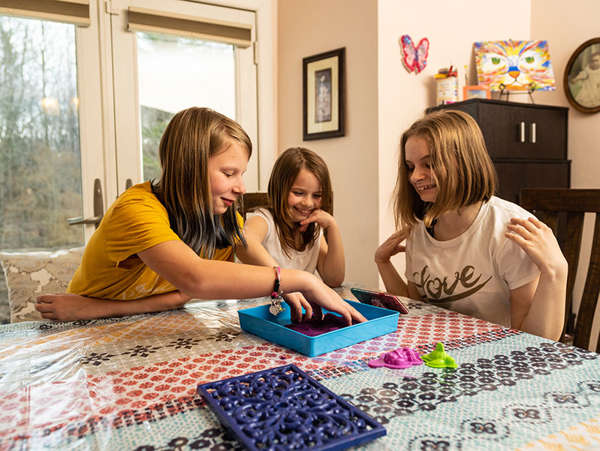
<point>259,321</point>
<point>283,408</point>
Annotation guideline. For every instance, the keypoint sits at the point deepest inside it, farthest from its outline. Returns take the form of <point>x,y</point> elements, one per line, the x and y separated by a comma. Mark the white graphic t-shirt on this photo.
<point>474,272</point>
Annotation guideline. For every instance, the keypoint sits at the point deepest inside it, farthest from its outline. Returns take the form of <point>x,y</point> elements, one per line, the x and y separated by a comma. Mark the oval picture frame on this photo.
<point>581,92</point>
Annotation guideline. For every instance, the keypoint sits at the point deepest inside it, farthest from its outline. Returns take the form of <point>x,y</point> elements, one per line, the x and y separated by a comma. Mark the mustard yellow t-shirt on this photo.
<point>110,267</point>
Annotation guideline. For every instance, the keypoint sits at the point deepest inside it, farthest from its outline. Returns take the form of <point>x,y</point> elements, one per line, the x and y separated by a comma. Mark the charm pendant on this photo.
<point>275,308</point>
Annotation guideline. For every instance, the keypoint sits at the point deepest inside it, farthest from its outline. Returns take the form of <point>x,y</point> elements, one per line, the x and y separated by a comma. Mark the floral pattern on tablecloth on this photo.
<point>131,382</point>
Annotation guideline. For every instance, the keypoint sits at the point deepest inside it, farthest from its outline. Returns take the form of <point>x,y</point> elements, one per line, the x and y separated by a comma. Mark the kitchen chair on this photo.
<point>251,201</point>
<point>563,211</point>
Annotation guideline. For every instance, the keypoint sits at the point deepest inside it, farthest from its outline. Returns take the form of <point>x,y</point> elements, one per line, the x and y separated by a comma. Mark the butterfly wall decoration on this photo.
<point>414,58</point>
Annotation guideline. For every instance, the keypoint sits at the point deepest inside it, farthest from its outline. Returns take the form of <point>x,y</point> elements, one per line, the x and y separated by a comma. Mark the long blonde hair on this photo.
<point>460,167</point>
<point>284,173</point>
<point>191,138</point>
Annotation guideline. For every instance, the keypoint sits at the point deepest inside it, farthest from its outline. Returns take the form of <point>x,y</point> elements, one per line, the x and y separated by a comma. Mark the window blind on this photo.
<point>71,11</point>
<point>232,33</point>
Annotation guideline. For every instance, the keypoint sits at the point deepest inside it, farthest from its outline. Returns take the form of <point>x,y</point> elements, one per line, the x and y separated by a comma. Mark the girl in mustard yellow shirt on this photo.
<point>159,245</point>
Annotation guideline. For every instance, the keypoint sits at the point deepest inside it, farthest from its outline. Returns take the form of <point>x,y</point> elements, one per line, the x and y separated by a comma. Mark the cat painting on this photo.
<point>514,65</point>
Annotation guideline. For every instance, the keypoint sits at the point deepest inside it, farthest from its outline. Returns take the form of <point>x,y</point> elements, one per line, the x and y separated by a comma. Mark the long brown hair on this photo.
<point>460,167</point>
<point>191,138</point>
<point>284,173</point>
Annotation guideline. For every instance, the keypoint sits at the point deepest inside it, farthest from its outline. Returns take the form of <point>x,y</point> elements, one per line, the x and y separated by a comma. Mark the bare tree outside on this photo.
<point>40,160</point>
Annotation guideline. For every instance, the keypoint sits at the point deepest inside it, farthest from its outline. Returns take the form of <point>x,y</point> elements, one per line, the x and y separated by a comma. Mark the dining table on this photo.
<point>131,382</point>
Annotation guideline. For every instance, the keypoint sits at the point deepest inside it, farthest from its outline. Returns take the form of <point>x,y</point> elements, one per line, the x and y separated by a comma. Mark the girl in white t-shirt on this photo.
<point>298,231</point>
<point>466,249</point>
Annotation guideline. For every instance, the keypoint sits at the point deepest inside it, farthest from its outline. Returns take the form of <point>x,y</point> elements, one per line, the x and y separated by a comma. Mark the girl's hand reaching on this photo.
<point>391,246</point>
<point>538,241</point>
<point>319,216</point>
<point>318,295</point>
<point>297,301</point>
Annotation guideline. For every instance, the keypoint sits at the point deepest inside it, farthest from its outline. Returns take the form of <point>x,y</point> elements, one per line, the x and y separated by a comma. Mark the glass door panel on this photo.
<point>157,74</point>
<point>40,154</point>
<point>177,73</point>
<point>78,104</point>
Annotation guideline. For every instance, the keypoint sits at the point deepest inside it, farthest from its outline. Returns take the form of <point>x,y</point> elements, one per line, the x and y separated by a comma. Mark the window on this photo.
<point>40,155</point>
<point>86,89</point>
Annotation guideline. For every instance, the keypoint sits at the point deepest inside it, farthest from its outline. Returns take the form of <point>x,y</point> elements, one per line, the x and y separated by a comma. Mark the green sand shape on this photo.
<point>438,358</point>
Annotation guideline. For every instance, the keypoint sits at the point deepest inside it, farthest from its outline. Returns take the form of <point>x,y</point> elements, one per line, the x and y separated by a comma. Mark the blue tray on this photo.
<point>259,321</point>
<point>284,408</point>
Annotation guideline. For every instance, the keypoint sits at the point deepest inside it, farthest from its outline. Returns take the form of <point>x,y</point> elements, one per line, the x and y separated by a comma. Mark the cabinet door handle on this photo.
<point>533,133</point>
<point>522,131</point>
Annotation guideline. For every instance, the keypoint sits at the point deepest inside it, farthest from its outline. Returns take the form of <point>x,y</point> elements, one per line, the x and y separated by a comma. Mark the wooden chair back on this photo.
<point>563,211</point>
<point>251,201</point>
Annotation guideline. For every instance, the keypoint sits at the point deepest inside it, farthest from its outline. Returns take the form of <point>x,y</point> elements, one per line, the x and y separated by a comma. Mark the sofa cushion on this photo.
<point>30,274</point>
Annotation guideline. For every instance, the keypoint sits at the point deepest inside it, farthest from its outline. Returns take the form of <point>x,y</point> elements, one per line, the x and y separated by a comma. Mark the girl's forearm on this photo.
<point>211,279</point>
<point>167,301</point>
<point>87,307</point>
<point>546,314</point>
<point>224,280</point>
<point>334,264</point>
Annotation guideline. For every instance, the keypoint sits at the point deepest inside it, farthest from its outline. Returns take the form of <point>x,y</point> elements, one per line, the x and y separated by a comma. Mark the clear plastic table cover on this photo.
<point>130,383</point>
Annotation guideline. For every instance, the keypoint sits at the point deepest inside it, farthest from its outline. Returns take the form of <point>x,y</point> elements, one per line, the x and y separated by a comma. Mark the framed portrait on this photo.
<point>476,92</point>
<point>582,77</point>
<point>323,95</point>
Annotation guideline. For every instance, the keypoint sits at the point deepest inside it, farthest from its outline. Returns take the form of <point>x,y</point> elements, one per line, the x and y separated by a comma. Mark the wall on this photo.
<point>451,28</point>
<point>308,27</point>
<point>581,20</point>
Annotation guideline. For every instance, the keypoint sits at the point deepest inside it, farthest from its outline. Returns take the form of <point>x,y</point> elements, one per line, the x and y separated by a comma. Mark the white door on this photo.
<point>165,59</point>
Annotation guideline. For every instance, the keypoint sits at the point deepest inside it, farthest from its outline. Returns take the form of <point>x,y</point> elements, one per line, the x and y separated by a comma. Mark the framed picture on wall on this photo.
<point>323,95</point>
<point>514,65</point>
<point>582,77</point>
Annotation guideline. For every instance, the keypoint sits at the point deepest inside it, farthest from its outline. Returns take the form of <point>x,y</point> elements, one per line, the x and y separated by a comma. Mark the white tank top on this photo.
<point>305,260</point>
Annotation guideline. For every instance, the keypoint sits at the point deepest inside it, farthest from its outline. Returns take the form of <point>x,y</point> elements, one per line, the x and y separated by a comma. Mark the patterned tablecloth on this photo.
<point>130,383</point>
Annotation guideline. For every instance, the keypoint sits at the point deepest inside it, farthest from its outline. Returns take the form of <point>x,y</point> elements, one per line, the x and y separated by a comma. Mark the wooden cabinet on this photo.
<point>527,143</point>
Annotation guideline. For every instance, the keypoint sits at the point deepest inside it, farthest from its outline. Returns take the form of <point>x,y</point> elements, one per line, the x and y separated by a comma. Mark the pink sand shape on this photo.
<point>398,359</point>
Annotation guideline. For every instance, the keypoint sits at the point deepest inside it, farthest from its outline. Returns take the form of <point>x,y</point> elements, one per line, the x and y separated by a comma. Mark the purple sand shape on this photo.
<point>398,359</point>
<point>315,327</point>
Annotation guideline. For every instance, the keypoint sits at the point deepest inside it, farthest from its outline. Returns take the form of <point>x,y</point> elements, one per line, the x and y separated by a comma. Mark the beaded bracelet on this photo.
<point>276,308</point>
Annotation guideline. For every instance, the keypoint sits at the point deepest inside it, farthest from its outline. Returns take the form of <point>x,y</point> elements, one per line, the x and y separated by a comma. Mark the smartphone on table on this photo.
<point>379,299</point>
